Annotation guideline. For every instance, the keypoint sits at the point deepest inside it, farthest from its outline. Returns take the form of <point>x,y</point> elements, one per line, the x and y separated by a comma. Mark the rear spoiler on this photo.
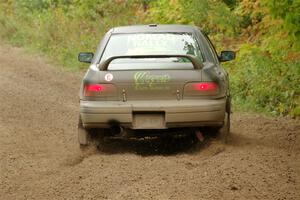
<point>195,61</point>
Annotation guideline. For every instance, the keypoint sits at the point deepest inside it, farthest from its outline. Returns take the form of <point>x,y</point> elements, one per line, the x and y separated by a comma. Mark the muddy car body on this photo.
<point>153,77</point>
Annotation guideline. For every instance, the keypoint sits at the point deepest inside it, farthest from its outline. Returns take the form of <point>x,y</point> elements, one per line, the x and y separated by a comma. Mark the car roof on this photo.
<point>154,28</point>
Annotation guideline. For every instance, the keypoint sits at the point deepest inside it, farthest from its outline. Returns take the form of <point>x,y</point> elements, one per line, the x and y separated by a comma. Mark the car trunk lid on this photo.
<point>151,84</point>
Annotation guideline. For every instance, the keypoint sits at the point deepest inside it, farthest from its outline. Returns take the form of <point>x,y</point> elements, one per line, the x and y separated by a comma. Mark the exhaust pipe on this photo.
<point>115,127</point>
<point>117,130</point>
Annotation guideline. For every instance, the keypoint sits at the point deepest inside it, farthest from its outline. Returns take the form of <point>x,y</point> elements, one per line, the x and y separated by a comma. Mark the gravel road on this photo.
<point>40,158</point>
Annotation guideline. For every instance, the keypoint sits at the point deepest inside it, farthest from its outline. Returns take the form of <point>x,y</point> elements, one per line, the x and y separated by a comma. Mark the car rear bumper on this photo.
<point>153,114</point>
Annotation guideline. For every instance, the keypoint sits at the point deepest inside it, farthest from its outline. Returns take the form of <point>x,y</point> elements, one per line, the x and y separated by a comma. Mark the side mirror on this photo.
<point>227,56</point>
<point>85,57</point>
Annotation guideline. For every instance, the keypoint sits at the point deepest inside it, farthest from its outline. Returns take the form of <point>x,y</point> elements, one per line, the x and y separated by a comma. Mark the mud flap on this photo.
<point>84,138</point>
<point>228,104</point>
<point>225,130</point>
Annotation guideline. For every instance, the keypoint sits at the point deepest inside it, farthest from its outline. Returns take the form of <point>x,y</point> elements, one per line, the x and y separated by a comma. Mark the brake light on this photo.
<point>102,90</point>
<point>93,89</point>
<point>206,86</point>
<point>201,88</point>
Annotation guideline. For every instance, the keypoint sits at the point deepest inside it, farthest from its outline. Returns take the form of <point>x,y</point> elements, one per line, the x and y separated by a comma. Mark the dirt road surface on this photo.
<point>40,158</point>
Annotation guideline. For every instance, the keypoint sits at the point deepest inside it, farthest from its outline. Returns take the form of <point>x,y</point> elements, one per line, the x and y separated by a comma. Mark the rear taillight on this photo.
<point>201,88</point>
<point>99,90</point>
<point>206,86</point>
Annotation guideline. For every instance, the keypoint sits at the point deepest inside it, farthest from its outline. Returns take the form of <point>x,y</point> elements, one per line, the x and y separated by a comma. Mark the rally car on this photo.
<point>153,77</point>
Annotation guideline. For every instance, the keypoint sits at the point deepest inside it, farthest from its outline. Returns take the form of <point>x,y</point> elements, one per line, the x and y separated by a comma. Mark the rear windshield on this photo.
<point>151,44</point>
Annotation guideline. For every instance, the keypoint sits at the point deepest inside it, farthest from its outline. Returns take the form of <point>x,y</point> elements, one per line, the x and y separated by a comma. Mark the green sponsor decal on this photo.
<point>148,81</point>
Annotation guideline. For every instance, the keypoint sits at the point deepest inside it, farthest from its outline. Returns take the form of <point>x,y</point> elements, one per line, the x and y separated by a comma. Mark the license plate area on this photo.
<point>149,120</point>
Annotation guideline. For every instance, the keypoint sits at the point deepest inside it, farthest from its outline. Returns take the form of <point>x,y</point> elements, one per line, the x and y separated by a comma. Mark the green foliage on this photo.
<point>167,12</point>
<point>289,11</point>
<point>265,83</point>
<point>230,3</point>
<point>211,16</point>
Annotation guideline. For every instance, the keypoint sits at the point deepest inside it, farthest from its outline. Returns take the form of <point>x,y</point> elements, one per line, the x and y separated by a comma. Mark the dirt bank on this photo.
<point>40,157</point>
